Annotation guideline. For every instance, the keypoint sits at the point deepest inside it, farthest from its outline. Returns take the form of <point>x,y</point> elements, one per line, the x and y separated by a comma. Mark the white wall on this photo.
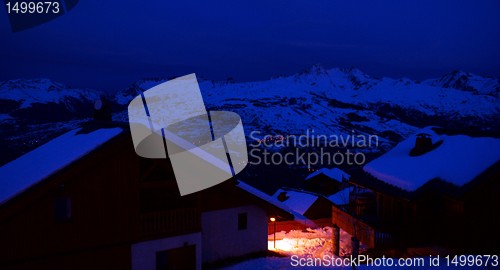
<point>222,239</point>
<point>144,253</point>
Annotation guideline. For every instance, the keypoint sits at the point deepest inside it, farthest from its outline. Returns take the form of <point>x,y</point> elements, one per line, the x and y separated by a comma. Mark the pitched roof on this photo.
<point>341,197</point>
<point>29,169</point>
<point>268,198</point>
<point>298,201</point>
<point>334,173</point>
<point>457,160</point>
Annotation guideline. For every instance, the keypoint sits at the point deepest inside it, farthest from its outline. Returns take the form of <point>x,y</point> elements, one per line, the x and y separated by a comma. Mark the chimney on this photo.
<point>282,196</point>
<point>423,144</point>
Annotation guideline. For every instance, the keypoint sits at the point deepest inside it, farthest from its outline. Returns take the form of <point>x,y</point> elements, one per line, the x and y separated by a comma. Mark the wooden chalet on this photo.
<point>451,203</point>
<point>326,181</point>
<point>85,200</point>
<point>311,205</point>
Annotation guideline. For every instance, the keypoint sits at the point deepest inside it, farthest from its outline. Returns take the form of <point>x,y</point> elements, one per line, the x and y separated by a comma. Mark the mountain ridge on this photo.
<point>328,101</point>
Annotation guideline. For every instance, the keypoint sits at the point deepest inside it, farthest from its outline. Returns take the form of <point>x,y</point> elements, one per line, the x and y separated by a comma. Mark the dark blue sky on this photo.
<point>109,44</point>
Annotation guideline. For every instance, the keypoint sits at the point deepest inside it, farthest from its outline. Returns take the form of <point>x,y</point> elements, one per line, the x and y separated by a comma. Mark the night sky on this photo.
<point>109,44</point>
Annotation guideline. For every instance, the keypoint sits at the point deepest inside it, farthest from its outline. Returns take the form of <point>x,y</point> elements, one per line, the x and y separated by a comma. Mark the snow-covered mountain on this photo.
<point>125,96</point>
<point>34,111</point>
<point>338,101</point>
<point>468,82</point>
<point>326,101</point>
<point>44,100</point>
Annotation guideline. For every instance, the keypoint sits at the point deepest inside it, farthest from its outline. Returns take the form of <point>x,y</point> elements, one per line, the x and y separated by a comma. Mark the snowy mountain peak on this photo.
<point>29,92</point>
<point>43,99</point>
<point>38,84</point>
<point>466,81</point>
<point>316,69</point>
<point>353,71</point>
<point>456,79</point>
<point>327,101</point>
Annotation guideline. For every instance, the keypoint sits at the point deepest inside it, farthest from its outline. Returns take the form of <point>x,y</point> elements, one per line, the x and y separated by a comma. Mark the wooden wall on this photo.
<point>104,214</point>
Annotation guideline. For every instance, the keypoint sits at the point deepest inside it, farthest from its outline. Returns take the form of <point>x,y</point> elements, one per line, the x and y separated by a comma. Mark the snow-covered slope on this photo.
<point>466,81</point>
<point>44,100</point>
<point>339,101</point>
<point>42,91</point>
<point>326,102</point>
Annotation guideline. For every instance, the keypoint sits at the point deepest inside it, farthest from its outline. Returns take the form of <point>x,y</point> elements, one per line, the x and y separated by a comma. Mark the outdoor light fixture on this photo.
<point>273,220</point>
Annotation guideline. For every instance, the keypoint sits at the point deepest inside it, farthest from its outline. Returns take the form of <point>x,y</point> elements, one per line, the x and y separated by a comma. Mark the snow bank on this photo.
<point>314,243</point>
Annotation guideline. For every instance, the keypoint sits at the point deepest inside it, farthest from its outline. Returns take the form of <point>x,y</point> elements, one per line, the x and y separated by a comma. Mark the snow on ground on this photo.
<point>458,160</point>
<point>317,245</point>
<point>265,263</point>
<point>280,263</point>
<point>314,243</point>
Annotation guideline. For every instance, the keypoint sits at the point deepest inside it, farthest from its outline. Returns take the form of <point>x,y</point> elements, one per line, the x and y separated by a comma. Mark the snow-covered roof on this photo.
<point>334,173</point>
<point>458,160</point>
<point>298,201</point>
<point>259,194</point>
<point>341,197</point>
<point>29,169</point>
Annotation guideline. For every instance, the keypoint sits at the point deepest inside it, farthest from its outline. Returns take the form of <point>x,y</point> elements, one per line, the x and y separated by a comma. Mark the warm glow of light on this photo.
<point>272,219</point>
<point>281,245</point>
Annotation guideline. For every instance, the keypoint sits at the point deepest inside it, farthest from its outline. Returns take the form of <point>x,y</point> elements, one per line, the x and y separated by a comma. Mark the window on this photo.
<point>62,209</point>
<point>242,221</point>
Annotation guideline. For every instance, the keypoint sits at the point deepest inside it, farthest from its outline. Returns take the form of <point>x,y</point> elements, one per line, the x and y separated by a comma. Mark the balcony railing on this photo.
<point>364,232</point>
<point>169,222</point>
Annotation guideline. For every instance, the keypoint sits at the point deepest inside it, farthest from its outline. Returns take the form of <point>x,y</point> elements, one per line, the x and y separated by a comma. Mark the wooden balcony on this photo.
<point>170,222</point>
<point>366,233</point>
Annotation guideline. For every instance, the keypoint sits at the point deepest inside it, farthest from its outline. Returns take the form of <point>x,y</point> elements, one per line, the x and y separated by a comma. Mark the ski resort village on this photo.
<point>249,135</point>
<point>85,200</point>
<point>74,194</point>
